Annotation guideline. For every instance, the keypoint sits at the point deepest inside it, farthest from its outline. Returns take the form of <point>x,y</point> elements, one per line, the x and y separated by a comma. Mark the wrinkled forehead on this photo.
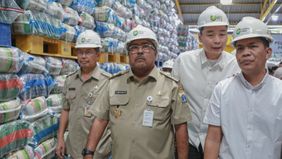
<point>248,41</point>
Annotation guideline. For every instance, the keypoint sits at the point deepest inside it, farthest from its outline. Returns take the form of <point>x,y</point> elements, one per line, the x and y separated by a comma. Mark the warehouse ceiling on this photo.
<point>189,10</point>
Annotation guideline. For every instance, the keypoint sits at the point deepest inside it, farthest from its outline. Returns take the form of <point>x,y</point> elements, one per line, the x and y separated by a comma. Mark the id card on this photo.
<point>87,113</point>
<point>148,117</point>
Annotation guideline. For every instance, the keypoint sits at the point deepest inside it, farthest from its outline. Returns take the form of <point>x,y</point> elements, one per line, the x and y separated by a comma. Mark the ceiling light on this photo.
<point>226,2</point>
<point>274,17</point>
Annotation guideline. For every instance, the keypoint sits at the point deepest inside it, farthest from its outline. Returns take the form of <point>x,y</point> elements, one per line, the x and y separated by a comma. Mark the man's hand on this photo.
<point>60,148</point>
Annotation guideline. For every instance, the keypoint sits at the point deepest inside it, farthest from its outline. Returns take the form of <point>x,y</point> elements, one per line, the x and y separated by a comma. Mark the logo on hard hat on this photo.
<point>83,40</point>
<point>135,33</point>
<point>246,30</point>
<point>214,18</point>
<point>238,31</point>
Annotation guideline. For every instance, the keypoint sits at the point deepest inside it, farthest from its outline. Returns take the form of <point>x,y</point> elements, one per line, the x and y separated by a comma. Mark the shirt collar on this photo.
<point>205,62</point>
<point>251,87</point>
<point>96,74</point>
<point>152,75</point>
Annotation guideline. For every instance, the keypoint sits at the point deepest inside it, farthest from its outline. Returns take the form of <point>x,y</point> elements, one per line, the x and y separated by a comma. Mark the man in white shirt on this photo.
<point>245,111</point>
<point>200,70</point>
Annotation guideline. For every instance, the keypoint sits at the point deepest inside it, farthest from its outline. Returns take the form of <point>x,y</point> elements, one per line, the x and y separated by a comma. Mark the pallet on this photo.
<point>124,59</point>
<point>44,46</point>
<point>103,57</point>
<point>113,58</point>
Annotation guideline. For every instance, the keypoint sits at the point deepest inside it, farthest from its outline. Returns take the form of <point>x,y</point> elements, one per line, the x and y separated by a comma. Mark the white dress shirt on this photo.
<point>250,117</point>
<point>199,76</point>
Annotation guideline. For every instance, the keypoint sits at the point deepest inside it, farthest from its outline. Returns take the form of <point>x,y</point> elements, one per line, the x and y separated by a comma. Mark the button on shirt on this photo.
<point>198,75</point>
<point>79,94</point>
<point>124,103</point>
<point>250,117</point>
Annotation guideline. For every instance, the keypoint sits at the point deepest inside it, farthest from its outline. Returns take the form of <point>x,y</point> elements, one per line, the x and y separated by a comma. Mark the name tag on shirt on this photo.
<point>148,117</point>
<point>120,92</point>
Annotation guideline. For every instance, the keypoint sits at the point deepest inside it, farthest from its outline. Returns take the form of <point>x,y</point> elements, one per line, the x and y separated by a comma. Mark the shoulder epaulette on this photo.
<point>107,74</point>
<point>120,73</point>
<point>169,76</point>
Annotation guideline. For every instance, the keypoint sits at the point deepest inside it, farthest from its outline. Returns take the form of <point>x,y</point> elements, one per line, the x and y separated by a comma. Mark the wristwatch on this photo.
<point>86,152</point>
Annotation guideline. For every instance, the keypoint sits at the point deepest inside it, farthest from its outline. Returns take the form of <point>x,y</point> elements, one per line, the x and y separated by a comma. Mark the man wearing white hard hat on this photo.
<point>245,111</point>
<point>199,71</point>
<point>143,106</point>
<point>80,91</point>
<point>167,66</point>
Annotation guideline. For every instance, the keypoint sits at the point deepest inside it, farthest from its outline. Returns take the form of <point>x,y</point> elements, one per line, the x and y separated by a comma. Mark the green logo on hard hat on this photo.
<point>213,17</point>
<point>135,33</point>
<point>238,31</point>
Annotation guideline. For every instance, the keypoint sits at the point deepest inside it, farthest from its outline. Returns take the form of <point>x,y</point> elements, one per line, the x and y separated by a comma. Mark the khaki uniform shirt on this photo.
<point>124,102</point>
<point>79,98</point>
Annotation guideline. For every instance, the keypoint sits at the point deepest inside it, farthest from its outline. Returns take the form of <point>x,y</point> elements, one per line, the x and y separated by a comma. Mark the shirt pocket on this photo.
<point>118,106</point>
<point>119,100</point>
<point>70,97</point>
<point>161,108</point>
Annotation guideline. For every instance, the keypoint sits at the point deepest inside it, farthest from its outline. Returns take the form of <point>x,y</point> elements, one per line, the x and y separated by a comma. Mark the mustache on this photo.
<point>140,57</point>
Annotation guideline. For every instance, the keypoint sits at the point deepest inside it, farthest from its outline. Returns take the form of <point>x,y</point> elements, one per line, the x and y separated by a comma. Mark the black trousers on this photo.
<point>194,153</point>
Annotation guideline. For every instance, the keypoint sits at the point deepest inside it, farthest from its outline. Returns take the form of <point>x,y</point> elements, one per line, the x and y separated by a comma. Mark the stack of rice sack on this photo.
<point>35,77</point>
<point>77,17</point>
<point>43,129</point>
<point>10,83</point>
<point>25,153</point>
<point>14,136</point>
<point>46,149</point>
<point>29,113</point>
<point>54,65</point>
<point>34,108</point>
<point>9,110</point>
<point>41,17</point>
<point>55,103</point>
<point>30,140</point>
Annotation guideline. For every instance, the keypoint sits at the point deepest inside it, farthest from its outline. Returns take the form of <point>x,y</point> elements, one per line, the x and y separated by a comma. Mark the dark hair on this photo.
<point>264,41</point>
<point>97,50</point>
<point>201,30</point>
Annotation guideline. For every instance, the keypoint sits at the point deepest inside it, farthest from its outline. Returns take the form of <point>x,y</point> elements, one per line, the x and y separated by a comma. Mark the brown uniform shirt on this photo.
<point>123,103</point>
<point>79,97</point>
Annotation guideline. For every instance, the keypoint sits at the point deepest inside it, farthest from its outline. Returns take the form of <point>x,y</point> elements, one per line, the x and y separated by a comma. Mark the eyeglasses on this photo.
<point>133,49</point>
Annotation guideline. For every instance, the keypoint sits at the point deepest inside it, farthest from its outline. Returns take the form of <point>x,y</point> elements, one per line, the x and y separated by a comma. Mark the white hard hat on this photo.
<point>88,39</point>
<point>212,16</point>
<point>168,64</point>
<point>250,27</point>
<point>141,32</point>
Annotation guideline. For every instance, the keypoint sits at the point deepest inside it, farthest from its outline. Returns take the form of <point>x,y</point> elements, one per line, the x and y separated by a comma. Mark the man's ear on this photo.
<point>199,37</point>
<point>268,53</point>
<point>98,54</point>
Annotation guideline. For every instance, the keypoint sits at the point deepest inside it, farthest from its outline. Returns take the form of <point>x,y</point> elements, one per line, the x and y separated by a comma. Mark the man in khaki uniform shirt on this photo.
<point>142,106</point>
<point>80,91</point>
